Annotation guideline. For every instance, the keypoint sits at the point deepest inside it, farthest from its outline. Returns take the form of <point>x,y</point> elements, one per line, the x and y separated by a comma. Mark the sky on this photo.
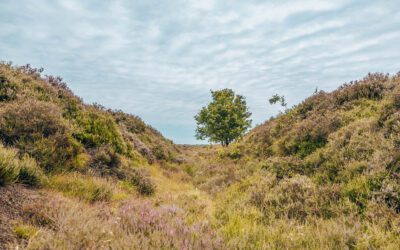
<point>159,59</point>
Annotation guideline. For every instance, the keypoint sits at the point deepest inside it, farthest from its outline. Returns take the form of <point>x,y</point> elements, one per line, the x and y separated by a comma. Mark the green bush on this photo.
<point>30,173</point>
<point>358,191</point>
<point>97,129</point>
<point>9,166</point>
<point>235,151</point>
<point>25,232</point>
<point>24,171</point>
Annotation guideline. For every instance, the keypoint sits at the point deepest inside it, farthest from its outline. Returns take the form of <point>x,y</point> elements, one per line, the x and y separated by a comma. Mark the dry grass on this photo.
<point>135,223</point>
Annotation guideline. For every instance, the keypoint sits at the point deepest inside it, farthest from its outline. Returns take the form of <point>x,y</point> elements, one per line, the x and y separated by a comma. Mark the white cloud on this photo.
<point>160,59</point>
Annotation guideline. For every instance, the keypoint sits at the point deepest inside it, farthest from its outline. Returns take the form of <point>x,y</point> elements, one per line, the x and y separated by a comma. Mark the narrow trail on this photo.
<point>176,188</point>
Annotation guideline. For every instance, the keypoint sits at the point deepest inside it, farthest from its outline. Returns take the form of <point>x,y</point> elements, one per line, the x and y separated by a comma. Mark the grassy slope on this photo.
<point>84,160</point>
<point>322,175</point>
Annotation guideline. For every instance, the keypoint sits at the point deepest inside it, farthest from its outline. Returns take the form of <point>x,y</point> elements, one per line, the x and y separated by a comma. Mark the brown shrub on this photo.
<point>371,87</point>
<point>141,179</point>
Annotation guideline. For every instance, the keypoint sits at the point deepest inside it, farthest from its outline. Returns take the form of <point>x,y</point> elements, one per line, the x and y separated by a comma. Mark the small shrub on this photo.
<point>362,189</point>
<point>234,152</point>
<point>160,152</point>
<point>30,173</point>
<point>25,231</point>
<point>107,161</point>
<point>142,181</point>
<point>9,166</point>
<point>189,169</point>
<point>14,169</point>
<point>392,128</point>
<point>98,129</point>
<point>8,91</point>
<point>133,123</point>
<point>141,147</point>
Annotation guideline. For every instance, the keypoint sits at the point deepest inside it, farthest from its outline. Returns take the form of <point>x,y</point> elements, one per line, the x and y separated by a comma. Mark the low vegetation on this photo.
<point>87,189</point>
<point>16,169</point>
<point>321,175</point>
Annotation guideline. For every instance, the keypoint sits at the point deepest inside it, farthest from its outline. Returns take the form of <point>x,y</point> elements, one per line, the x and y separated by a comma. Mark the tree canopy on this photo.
<point>224,119</point>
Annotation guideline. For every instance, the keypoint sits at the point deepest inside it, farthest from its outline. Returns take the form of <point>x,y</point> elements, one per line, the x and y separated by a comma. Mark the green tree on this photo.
<point>278,99</point>
<point>225,119</point>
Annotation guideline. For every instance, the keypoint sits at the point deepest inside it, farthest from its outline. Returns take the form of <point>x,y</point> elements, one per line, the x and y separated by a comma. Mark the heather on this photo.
<point>323,174</point>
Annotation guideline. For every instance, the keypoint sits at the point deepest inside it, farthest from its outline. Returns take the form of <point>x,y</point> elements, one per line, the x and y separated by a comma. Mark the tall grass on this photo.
<point>22,170</point>
<point>86,188</point>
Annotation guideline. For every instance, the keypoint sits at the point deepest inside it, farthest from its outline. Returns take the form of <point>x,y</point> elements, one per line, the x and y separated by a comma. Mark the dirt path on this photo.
<point>173,189</point>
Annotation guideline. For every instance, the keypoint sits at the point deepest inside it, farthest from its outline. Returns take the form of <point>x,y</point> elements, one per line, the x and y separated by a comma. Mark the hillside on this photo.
<point>55,149</point>
<point>323,174</point>
<point>50,116</point>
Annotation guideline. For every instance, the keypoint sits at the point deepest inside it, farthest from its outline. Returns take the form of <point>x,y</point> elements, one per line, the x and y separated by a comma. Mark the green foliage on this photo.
<point>87,189</point>
<point>30,173</point>
<point>99,129</point>
<point>24,231</point>
<point>9,166</point>
<point>224,119</point>
<point>13,169</point>
<point>278,99</point>
<point>235,152</point>
<point>358,191</point>
<point>107,161</point>
<point>144,139</point>
<point>189,170</point>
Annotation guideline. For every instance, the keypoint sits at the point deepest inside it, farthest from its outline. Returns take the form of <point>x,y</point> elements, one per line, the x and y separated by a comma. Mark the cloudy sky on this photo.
<point>159,59</point>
